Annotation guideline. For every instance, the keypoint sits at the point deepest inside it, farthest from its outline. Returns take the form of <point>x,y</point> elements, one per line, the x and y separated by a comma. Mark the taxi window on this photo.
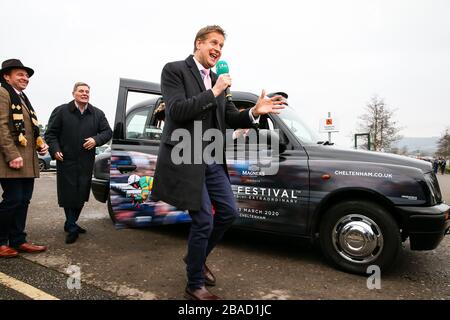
<point>141,122</point>
<point>136,123</point>
<point>241,136</point>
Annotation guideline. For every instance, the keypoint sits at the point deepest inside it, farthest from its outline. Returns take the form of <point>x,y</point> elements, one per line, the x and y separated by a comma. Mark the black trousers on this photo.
<point>72,215</point>
<point>17,193</point>
<point>207,229</point>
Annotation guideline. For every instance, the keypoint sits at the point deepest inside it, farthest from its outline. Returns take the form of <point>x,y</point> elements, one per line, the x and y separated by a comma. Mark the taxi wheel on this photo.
<point>111,211</point>
<point>357,234</point>
<point>41,165</point>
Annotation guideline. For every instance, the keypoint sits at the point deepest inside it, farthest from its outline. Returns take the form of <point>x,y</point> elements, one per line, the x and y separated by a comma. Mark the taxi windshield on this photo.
<point>291,118</point>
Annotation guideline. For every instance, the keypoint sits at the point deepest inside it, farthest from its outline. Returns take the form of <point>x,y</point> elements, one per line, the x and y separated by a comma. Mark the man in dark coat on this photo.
<point>195,97</point>
<point>74,130</point>
<point>442,165</point>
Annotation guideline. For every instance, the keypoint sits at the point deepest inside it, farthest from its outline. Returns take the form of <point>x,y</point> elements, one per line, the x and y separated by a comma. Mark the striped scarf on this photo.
<point>17,116</point>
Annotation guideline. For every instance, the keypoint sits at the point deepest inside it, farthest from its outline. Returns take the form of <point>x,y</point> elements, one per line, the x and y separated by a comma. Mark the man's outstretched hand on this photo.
<point>268,105</point>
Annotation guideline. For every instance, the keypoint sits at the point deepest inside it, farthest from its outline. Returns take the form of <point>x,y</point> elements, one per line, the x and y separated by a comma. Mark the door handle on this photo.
<point>126,168</point>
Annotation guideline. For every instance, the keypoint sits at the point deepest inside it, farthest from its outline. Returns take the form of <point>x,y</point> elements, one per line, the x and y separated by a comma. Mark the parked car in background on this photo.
<point>44,162</point>
<point>101,149</point>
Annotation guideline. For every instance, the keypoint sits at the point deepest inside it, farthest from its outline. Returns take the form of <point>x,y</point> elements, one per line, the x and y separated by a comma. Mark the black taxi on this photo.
<point>359,205</point>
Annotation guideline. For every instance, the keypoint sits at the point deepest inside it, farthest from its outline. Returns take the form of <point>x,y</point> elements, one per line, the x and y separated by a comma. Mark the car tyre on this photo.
<point>357,234</point>
<point>41,165</point>
<point>111,211</point>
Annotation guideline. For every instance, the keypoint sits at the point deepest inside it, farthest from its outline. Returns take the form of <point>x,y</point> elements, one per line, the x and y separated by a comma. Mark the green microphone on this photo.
<point>222,68</point>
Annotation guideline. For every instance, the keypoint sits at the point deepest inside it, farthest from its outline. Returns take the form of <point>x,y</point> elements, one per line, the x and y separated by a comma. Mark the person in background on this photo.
<point>442,165</point>
<point>19,164</point>
<point>435,165</point>
<point>74,130</point>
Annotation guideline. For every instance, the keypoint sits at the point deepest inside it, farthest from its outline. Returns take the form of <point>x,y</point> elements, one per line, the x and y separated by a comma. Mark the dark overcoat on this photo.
<point>66,132</point>
<point>187,100</point>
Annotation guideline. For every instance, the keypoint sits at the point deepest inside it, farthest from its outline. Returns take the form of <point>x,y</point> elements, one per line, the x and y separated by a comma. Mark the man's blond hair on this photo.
<point>202,34</point>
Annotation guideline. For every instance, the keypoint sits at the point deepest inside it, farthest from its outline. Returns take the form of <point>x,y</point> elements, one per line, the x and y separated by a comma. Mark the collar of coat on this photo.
<point>194,69</point>
<point>73,107</point>
<point>16,114</point>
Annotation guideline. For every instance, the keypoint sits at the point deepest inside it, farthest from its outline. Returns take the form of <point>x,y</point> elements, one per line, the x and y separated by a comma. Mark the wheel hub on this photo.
<point>357,238</point>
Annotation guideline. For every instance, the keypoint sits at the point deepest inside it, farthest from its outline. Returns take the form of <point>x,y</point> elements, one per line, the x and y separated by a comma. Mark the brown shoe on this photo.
<point>200,294</point>
<point>210,279</point>
<point>31,248</point>
<point>8,252</point>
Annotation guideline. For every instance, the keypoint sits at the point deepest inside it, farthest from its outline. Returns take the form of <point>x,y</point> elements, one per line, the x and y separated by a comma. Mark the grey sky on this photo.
<point>327,55</point>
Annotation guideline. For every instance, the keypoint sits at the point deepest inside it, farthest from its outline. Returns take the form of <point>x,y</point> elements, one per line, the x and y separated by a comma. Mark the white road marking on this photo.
<point>25,288</point>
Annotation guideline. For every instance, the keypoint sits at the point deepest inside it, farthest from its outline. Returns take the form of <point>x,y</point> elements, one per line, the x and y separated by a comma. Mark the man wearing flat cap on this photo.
<point>19,164</point>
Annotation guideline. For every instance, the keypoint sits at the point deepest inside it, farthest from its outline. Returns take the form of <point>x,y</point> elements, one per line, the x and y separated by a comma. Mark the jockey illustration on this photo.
<point>144,184</point>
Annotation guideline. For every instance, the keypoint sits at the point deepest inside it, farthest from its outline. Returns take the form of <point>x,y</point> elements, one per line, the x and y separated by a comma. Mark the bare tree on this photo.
<point>444,145</point>
<point>378,120</point>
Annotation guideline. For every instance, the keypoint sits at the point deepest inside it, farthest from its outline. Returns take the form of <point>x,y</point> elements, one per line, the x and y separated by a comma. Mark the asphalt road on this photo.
<point>52,282</point>
<point>146,263</point>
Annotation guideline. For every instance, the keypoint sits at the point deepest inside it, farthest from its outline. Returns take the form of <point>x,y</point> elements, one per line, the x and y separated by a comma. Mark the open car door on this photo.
<point>137,132</point>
